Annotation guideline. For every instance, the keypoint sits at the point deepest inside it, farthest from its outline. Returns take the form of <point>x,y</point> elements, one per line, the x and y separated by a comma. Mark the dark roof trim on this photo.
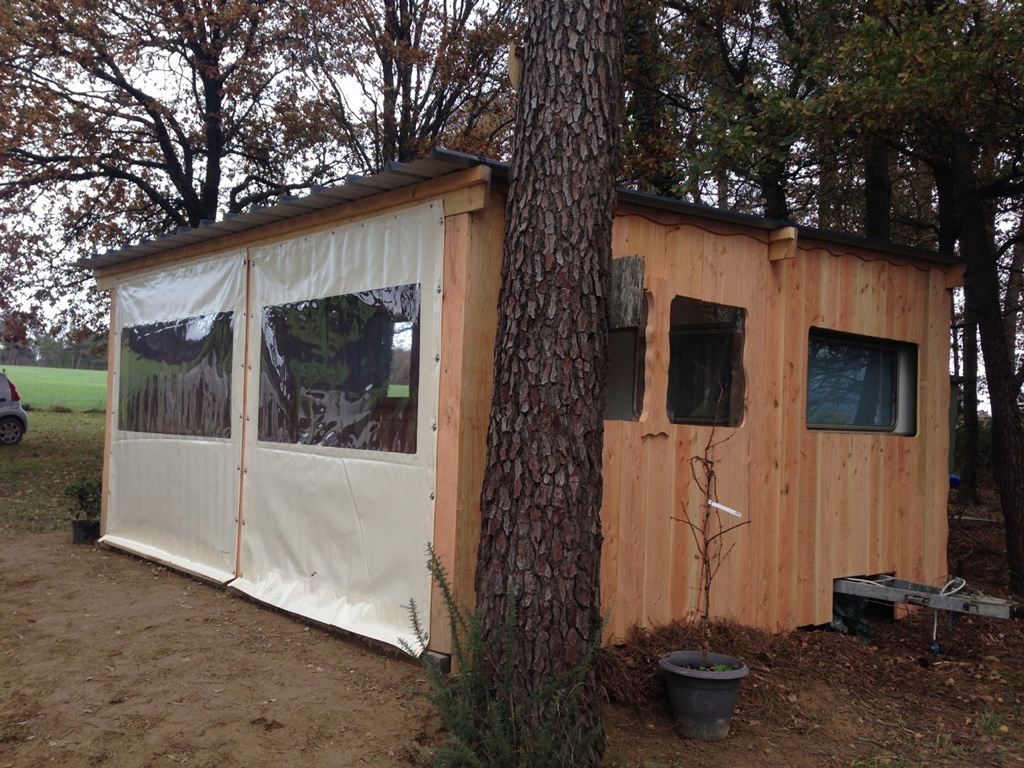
<point>440,163</point>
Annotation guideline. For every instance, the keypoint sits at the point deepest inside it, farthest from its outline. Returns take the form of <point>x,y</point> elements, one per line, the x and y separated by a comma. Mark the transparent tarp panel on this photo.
<point>342,371</point>
<point>175,377</point>
<point>851,383</point>
<point>705,375</point>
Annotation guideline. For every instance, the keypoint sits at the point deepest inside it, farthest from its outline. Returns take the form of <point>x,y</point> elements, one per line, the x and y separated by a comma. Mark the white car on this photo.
<point>13,419</point>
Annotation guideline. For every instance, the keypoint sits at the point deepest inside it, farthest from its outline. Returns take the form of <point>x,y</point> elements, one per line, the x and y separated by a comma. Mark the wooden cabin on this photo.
<point>299,400</point>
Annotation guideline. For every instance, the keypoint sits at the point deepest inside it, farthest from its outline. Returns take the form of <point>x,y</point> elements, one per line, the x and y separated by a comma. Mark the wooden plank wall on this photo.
<point>821,505</point>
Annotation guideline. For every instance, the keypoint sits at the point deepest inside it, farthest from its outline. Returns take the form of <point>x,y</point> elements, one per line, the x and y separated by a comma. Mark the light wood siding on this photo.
<point>469,316</point>
<point>820,504</point>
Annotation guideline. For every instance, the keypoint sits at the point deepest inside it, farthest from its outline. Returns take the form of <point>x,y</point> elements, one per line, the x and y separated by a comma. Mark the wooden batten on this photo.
<point>955,276</point>
<point>782,244</point>
<point>108,432</point>
<point>472,267</point>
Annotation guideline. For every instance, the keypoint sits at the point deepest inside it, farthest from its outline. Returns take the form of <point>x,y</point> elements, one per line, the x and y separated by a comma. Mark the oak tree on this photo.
<point>131,118</point>
<point>395,79</point>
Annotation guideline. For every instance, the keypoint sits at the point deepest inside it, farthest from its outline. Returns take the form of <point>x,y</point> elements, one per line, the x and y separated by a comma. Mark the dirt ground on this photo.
<point>108,660</point>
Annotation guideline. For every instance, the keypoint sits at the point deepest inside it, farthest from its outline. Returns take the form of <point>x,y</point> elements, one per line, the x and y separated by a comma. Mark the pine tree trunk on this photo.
<point>541,531</point>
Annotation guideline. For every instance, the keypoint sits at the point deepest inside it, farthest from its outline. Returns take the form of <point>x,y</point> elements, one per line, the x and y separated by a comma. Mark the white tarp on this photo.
<point>339,534</point>
<point>174,497</point>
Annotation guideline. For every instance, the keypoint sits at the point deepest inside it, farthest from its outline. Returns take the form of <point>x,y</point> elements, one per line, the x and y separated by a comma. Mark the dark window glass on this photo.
<point>857,383</point>
<point>627,321</point>
<point>175,377</point>
<point>705,376</point>
<point>625,399</point>
<point>342,371</point>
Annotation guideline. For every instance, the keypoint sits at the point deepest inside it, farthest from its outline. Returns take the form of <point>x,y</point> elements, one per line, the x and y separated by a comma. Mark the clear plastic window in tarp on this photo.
<point>342,371</point>
<point>175,377</point>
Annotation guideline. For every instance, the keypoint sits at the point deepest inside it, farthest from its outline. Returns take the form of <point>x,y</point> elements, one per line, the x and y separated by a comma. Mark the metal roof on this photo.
<point>440,163</point>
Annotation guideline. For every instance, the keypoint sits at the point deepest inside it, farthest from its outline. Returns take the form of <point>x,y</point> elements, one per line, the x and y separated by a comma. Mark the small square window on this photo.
<point>860,383</point>
<point>705,375</point>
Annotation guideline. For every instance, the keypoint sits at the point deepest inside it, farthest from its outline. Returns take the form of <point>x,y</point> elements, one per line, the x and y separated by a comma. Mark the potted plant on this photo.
<point>703,686</point>
<point>87,493</point>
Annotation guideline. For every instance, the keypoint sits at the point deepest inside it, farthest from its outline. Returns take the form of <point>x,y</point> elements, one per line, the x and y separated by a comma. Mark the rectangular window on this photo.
<point>175,377</point>
<point>861,383</point>
<point>705,375</point>
<point>342,371</point>
<point>625,374</point>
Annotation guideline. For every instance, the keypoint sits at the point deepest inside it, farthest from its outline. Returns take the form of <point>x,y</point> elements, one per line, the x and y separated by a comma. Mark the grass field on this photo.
<point>45,388</point>
<point>58,448</point>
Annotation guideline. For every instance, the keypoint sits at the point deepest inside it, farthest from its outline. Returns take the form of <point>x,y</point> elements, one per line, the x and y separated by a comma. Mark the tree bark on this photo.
<point>877,192</point>
<point>541,532</point>
<point>981,284</point>
<point>967,493</point>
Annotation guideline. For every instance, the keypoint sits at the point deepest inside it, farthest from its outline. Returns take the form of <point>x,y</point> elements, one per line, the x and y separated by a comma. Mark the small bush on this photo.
<point>87,493</point>
<point>484,727</point>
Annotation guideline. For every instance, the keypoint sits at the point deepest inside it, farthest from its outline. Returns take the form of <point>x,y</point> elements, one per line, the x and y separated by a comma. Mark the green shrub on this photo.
<point>484,727</point>
<point>87,493</point>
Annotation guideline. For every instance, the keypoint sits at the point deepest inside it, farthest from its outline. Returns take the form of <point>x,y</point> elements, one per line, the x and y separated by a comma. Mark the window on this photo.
<point>860,383</point>
<point>705,374</point>
<point>342,371</point>
<point>625,374</point>
<point>175,377</point>
<point>627,320</point>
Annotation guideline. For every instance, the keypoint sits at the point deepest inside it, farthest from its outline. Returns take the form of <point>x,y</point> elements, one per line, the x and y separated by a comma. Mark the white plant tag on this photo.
<point>724,508</point>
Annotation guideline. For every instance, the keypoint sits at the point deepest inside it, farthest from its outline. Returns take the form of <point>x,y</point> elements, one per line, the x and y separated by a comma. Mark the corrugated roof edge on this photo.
<point>734,217</point>
<point>439,163</point>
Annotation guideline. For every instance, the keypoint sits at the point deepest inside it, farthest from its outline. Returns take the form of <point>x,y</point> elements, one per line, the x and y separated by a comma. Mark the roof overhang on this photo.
<point>440,163</point>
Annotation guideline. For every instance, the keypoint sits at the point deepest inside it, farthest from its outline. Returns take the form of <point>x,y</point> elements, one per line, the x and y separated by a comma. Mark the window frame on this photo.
<point>905,386</point>
<point>734,332</point>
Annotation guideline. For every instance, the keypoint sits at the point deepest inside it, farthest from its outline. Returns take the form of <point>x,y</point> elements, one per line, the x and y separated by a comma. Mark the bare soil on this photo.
<point>109,660</point>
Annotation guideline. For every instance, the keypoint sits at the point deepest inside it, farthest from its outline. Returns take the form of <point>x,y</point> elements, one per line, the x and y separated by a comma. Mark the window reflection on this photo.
<point>860,383</point>
<point>342,371</point>
<point>705,377</point>
<point>175,377</point>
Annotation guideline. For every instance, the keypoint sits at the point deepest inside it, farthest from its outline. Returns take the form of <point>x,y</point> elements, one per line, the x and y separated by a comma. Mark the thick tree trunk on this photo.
<point>968,491</point>
<point>541,536</point>
<point>983,291</point>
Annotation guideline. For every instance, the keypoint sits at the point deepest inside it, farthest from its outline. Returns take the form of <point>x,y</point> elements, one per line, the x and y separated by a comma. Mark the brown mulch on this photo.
<point>816,697</point>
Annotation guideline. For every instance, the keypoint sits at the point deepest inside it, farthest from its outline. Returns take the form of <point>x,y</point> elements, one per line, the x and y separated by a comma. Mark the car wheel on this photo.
<point>10,431</point>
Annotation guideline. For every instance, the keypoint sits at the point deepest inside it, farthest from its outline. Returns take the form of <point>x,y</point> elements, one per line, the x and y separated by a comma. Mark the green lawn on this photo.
<point>58,448</point>
<point>45,388</point>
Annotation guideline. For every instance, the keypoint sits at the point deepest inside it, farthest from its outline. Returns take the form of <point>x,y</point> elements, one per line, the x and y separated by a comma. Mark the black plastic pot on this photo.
<point>85,531</point>
<point>702,700</point>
